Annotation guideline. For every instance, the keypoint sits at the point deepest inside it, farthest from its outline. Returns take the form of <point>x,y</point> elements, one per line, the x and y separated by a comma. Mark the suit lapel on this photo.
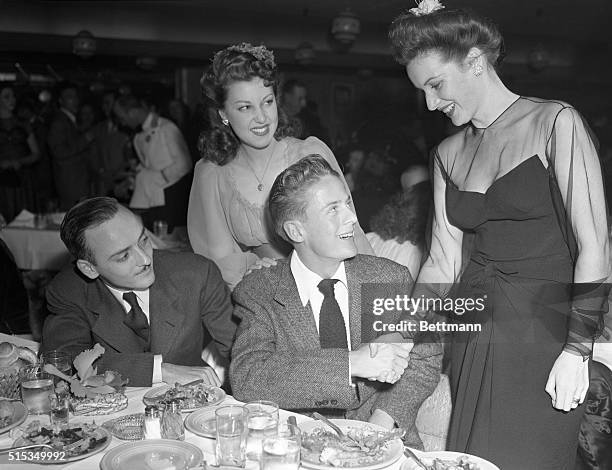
<point>110,315</point>
<point>301,318</point>
<point>166,318</point>
<point>354,281</point>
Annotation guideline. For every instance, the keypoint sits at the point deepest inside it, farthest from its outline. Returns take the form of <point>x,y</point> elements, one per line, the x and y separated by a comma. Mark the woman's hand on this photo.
<point>568,381</point>
<point>264,262</point>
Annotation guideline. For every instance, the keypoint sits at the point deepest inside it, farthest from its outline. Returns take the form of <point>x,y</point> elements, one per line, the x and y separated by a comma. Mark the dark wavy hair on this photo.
<point>218,143</point>
<point>405,216</point>
<point>85,215</point>
<point>451,33</point>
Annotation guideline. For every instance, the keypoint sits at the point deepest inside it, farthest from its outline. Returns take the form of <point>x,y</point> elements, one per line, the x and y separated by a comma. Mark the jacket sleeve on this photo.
<point>217,310</point>
<point>67,328</point>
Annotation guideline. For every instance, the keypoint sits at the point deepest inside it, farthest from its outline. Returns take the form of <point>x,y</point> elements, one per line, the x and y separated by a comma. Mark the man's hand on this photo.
<point>172,373</point>
<point>386,358</point>
<point>402,346</point>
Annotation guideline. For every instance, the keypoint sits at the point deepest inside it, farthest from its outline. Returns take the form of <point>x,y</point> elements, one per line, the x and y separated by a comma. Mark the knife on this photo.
<point>411,455</point>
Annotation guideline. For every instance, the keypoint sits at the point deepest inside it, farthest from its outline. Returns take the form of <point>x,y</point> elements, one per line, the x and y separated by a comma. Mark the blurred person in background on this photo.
<point>163,177</point>
<point>19,150</point>
<point>112,149</point>
<point>70,149</point>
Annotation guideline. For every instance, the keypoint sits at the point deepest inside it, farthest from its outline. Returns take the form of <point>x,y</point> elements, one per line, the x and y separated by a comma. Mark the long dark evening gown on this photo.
<point>521,260</point>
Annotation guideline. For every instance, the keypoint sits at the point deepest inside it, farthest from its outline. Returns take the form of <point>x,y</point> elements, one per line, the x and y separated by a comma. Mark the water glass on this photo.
<point>160,228</point>
<point>60,408</point>
<point>282,451</point>
<point>60,359</point>
<point>262,422</point>
<point>231,435</point>
<point>36,386</point>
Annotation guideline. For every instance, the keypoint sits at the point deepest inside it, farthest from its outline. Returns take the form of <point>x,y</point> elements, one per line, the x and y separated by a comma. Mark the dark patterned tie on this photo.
<point>135,318</point>
<point>332,330</point>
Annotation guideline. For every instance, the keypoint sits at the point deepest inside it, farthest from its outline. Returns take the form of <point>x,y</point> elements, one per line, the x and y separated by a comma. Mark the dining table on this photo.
<point>135,405</point>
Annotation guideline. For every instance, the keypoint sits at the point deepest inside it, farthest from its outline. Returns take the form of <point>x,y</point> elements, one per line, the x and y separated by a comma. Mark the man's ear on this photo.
<point>88,269</point>
<point>294,230</point>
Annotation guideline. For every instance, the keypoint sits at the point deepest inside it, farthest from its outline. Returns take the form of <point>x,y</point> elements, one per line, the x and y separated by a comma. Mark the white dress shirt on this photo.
<point>142,297</point>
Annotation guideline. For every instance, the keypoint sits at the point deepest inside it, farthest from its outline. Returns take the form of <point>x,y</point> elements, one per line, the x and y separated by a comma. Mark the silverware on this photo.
<point>344,437</point>
<point>194,382</point>
<point>411,455</point>
<point>30,446</point>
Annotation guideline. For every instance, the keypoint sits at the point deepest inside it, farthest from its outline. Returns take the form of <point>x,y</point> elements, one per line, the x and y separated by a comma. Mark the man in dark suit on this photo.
<point>149,309</point>
<point>70,149</point>
<point>301,338</point>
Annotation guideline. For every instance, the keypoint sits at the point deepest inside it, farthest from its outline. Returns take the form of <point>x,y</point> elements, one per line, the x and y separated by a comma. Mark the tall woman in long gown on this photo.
<point>522,183</point>
<point>245,149</point>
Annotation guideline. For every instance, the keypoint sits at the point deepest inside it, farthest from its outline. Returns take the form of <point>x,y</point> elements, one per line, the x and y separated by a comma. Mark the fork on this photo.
<point>341,434</point>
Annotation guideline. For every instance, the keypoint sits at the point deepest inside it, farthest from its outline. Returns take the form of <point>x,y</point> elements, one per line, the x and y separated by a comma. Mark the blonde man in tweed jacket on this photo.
<point>282,350</point>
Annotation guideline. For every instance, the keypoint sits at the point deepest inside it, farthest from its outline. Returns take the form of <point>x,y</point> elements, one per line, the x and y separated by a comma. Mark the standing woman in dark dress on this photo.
<point>522,184</point>
<point>18,150</point>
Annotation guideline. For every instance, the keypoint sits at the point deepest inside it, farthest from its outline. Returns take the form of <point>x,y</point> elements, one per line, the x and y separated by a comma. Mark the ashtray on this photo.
<point>127,428</point>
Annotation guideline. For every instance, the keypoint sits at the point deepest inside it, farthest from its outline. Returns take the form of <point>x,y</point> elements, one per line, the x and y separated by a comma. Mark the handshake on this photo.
<point>383,360</point>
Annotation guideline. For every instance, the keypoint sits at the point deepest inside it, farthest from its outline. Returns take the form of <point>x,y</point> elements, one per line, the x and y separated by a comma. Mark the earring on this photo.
<point>225,122</point>
<point>477,69</point>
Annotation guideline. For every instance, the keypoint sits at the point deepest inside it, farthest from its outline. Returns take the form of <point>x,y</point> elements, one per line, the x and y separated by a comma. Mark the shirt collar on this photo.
<point>71,116</point>
<point>307,281</point>
<point>141,295</point>
<point>148,122</point>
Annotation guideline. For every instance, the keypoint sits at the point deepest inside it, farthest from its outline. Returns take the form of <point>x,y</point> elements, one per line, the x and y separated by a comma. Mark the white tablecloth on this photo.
<point>135,405</point>
<point>35,248</point>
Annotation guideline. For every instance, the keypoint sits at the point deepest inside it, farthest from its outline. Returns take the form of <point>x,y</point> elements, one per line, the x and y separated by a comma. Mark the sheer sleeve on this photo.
<point>315,145</point>
<point>209,233</point>
<point>577,171</point>
<point>442,266</point>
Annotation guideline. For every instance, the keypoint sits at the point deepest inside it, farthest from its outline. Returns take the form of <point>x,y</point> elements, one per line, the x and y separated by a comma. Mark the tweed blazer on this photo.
<point>187,300</point>
<point>277,355</point>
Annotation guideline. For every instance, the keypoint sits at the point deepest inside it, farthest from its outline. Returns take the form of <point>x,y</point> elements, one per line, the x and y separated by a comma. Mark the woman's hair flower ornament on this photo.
<point>425,7</point>
<point>261,53</point>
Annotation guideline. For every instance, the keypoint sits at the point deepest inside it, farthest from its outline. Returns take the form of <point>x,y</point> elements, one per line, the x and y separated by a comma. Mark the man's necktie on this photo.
<point>135,318</point>
<point>332,330</point>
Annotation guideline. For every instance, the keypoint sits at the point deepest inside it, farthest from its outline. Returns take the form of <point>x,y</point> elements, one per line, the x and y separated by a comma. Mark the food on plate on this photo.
<point>460,463</point>
<point>86,382</point>
<point>7,409</point>
<point>14,358</point>
<point>73,440</point>
<point>100,404</point>
<point>368,446</point>
<point>188,396</point>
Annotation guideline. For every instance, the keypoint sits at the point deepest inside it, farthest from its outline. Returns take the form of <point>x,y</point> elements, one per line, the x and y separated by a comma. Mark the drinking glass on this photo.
<point>262,422</point>
<point>59,410</point>
<point>282,451</point>
<point>36,386</point>
<point>231,435</point>
<point>60,359</point>
<point>160,228</point>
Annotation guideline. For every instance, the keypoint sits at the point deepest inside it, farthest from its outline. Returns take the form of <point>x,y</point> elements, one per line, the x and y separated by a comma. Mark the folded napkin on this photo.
<point>24,219</point>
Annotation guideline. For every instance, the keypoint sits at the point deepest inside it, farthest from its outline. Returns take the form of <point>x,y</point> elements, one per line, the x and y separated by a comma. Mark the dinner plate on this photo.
<point>99,432</point>
<point>393,452</point>
<point>20,413</point>
<point>153,396</point>
<point>203,422</point>
<point>428,457</point>
<point>152,454</point>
